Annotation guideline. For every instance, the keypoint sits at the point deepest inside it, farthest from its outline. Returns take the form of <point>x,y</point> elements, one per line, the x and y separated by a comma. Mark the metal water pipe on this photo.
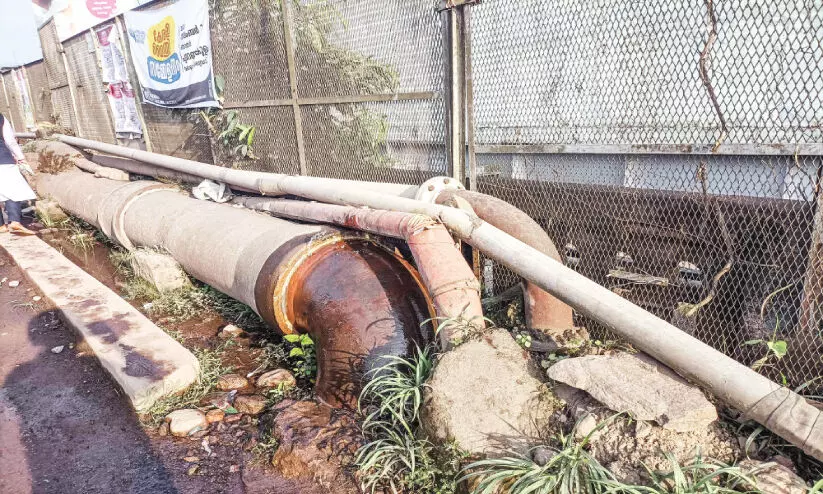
<point>357,299</point>
<point>776,407</point>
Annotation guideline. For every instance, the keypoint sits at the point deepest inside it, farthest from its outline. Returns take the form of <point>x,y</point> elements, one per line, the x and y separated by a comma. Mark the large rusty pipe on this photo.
<point>779,409</point>
<point>544,311</point>
<point>371,303</point>
<point>446,275</point>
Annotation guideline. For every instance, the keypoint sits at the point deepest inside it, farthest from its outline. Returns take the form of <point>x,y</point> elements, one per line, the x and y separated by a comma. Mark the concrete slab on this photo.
<point>146,362</point>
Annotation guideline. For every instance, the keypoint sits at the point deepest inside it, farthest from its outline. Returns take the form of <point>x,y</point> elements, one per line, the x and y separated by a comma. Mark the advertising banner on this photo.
<point>171,52</point>
<point>121,94</point>
<point>72,17</point>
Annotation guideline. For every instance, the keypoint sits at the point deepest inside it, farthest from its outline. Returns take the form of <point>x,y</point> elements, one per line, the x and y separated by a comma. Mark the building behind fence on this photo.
<point>671,149</point>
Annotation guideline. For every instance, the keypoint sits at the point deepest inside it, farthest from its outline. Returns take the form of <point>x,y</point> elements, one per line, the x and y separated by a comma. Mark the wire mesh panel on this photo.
<point>63,109</point>
<point>557,71</point>
<point>15,107</point>
<point>723,246</point>
<point>249,50</point>
<point>178,133</point>
<point>397,142</point>
<point>40,93</point>
<point>93,110</point>
<point>348,54</point>
<point>52,55</point>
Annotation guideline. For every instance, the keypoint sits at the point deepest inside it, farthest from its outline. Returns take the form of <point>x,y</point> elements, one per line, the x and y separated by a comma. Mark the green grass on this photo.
<point>396,458</point>
<point>570,470</point>
<point>699,476</point>
<point>211,368</point>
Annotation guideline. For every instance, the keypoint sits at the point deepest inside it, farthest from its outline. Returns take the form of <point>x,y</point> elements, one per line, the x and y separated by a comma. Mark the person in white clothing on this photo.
<point>14,189</point>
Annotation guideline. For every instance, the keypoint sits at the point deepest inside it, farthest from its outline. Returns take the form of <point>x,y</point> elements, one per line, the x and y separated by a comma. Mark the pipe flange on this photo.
<point>432,188</point>
<point>280,295</point>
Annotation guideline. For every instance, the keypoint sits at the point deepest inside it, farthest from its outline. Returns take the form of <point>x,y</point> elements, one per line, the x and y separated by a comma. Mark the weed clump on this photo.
<point>211,368</point>
<point>396,458</point>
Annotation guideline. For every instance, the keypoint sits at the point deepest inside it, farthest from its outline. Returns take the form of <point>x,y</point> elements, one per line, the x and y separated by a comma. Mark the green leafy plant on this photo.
<point>569,470</point>
<point>395,459</point>
<point>303,356</point>
<point>524,340</point>
<point>227,131</point>
<point>775,348</point>
<point>699,476</point>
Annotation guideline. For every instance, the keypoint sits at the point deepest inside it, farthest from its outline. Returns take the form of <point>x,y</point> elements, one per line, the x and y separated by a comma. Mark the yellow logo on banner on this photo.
<point>161,39</point>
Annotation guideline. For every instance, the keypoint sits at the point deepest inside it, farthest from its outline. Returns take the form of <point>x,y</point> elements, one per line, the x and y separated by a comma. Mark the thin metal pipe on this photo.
<point>779,409</point>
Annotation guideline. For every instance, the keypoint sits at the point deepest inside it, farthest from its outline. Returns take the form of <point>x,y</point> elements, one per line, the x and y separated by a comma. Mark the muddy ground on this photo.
<point>65,427</point>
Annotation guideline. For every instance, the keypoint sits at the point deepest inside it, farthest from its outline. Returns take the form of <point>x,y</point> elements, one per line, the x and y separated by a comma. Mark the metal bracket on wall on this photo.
<point>450,4</point>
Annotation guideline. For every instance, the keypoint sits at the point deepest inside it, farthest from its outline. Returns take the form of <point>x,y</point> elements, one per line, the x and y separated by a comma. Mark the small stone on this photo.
<point>219,399</point>
<point>163,430</point>
<point>14,284</point>
<point>234,468</point>
<point>230,331</point>
<point>161,270</point>
<point>642,429</point>
<point>541,455</point>
<point>186,421</point>
<point>276,378</point>
<point>231,382</point>
<point>250,404</point>
<point>37,298</point>
<point>230,419</point>
<point>57,349</point>
<point>191,459</point>
<point>216,415</point>
<point>586,428</point>
<point>193,469</point>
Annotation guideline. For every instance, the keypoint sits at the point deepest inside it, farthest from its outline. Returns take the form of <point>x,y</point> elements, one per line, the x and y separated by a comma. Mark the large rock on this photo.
<point>161,270</point>
<point>484,394</point>
<point>640,386</point>
<point>317,442</point>
<point>186,421</point>
<point>50,213</point>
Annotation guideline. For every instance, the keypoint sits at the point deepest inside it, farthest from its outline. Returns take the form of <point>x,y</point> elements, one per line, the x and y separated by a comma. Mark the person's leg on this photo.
<point>14,210</point>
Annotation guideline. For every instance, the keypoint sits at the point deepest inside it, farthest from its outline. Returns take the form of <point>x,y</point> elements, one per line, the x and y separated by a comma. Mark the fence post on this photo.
<point>298,117</point>
<point>455,89</point>
<point>809,320</point>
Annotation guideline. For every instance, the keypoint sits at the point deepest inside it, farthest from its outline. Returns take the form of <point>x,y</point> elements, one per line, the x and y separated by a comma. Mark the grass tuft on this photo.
<point>395,459</point>
<point>569,470</point>
<point>699,476</point>
<point>211,368</point>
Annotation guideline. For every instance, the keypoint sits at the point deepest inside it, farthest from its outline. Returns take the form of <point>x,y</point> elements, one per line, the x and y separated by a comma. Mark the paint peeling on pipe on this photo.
<point>448,278</point>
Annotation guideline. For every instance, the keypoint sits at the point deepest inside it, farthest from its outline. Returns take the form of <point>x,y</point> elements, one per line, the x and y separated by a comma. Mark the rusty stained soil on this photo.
<point>65,427</point>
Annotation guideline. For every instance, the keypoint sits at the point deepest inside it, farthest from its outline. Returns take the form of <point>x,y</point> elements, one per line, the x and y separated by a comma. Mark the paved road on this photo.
<point>64,428</point>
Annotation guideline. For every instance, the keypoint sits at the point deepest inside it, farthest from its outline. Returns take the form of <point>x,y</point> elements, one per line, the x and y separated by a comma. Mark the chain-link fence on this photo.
<point>672,150</point>
<point>576,107</point>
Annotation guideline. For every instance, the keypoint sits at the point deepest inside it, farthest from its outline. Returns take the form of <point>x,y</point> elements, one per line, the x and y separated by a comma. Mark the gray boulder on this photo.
<point>639,385</point>
<point>484,394</point>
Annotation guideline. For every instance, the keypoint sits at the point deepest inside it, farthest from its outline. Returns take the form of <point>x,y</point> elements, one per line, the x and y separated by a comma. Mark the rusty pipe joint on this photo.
<point>446,276</point>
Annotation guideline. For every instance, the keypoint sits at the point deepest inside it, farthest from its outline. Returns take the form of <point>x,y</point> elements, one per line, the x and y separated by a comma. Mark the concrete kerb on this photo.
<point>146,363</point>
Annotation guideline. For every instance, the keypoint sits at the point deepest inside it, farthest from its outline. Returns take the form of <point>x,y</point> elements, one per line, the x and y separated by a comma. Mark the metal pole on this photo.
<point>455,95</point>
<point>288,32</point>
